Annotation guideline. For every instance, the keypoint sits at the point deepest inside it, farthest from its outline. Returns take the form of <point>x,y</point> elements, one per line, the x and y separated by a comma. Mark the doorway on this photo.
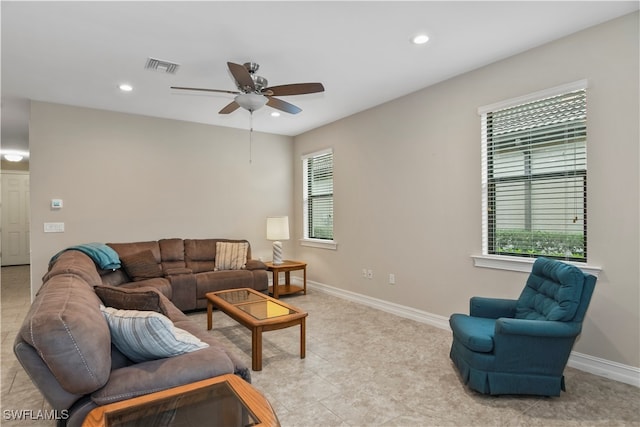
<point>15,218</point>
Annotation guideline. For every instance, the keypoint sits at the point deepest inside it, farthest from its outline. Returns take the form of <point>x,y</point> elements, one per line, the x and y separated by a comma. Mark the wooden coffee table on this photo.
<point>224,401</point>
<point>258,312</point>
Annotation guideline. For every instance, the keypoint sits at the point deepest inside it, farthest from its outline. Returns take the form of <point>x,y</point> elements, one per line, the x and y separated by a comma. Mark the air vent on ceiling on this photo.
<point>162,66</point>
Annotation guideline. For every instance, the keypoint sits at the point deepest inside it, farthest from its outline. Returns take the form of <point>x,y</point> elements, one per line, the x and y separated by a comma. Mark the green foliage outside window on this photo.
<point>544,243</point>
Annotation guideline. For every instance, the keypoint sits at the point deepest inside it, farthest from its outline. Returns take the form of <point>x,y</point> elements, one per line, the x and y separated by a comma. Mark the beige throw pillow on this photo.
<point>231,255</point>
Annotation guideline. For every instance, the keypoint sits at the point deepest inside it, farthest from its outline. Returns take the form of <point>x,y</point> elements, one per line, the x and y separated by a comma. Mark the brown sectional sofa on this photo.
<point>65,343</point>
<point>188,270</point>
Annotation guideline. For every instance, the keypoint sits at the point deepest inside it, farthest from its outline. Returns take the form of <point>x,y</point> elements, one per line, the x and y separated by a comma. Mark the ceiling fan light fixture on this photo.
<point>13,157</point>
<point>251,101</point>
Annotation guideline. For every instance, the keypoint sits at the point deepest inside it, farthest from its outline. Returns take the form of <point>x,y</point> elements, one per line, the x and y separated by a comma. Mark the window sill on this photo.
<point>319,243</point>
<point>502,262</point>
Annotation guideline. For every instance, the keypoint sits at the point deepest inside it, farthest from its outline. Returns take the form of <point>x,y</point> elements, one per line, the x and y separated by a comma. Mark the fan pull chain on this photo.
<point>250,135</point>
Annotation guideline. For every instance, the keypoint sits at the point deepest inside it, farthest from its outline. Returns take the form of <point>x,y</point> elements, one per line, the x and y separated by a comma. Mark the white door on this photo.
<point>15,218</point>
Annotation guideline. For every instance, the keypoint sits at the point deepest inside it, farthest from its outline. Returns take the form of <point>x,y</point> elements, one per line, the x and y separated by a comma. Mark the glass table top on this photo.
<point>217,406</point>
<point>256,305</point>
<point>239,297</point>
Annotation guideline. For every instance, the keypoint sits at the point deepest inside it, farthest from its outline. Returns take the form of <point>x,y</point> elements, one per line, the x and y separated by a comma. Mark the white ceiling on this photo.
<point>77,53</point>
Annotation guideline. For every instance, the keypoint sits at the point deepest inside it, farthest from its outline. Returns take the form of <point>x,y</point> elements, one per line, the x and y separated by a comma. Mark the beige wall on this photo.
<point>407,187</point>
<point>126,178</point>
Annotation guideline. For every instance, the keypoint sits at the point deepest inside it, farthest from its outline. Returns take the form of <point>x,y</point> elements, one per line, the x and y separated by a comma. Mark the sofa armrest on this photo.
<point>183,288</point>
<point>492,308</point>
<point>254,264</point>
<point>156,375</point>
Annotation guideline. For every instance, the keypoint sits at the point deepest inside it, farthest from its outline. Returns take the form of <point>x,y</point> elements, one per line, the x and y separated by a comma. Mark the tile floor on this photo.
<point>363,367</point>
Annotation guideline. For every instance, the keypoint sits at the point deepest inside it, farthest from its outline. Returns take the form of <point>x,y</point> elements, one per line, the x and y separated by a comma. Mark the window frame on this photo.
<point>306,240</point>
<point>512,262</point>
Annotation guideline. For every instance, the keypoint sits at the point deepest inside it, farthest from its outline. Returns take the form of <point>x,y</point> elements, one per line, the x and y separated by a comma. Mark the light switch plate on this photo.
<point>54,227</point>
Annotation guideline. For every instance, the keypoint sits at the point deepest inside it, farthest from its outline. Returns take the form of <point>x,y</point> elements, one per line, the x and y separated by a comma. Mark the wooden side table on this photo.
<point>287,267</point>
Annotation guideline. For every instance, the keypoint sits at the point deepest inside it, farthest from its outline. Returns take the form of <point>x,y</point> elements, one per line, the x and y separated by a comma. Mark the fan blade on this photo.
<point>230,108</point>
<point>279,104</point>
<point>242,76</point>
<point>205,90</point>
<point>295,89</point>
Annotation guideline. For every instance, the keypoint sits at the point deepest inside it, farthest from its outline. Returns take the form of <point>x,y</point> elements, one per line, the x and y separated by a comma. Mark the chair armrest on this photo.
<point>492,308</point>
<point>537,328</point>
<point>254,264</point>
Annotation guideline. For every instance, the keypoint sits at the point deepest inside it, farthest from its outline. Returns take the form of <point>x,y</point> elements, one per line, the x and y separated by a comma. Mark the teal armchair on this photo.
<point>522,346</point>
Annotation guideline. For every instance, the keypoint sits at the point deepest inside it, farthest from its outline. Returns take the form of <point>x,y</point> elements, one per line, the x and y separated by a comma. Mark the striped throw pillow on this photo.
<point>148,335</point>
<point>231,255</point>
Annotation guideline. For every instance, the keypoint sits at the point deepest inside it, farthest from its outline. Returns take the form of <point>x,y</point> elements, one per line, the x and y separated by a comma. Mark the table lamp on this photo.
<point>277,229</point>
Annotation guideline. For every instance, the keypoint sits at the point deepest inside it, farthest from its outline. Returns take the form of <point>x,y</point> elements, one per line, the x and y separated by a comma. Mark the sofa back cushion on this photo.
<point>124,249</point>
<point>141,266</point>
<point>200,254</point>
<point>67,329</point>
<point>172,252</point>
<point>552,292</point>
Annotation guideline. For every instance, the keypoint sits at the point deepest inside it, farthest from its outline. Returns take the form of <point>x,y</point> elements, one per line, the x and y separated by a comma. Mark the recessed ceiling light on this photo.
<point>420,39</point>
<point>275,114</point>
<point>125,87</point>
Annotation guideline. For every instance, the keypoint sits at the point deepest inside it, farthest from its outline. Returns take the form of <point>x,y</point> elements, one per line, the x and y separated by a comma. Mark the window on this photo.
<point>318,195</point>
<point>534,179</point>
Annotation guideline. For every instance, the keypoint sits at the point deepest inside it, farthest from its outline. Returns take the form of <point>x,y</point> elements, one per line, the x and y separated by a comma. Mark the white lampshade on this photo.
<point>278,228</point>
<point>251,101</point>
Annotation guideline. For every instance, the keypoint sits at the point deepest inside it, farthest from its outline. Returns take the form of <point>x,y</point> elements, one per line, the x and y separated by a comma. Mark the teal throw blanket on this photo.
<point>104,256</point>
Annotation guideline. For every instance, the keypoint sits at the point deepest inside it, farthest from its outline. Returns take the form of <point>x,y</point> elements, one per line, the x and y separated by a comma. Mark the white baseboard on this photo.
<point>584,362</point>
<point>605,368</point>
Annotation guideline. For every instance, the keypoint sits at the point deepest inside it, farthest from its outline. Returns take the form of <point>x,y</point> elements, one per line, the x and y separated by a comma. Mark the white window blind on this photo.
<point>318,195</point>
<point>535,178</point>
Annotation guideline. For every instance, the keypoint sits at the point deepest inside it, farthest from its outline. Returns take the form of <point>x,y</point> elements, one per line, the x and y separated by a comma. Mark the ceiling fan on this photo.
<point>253,92</point>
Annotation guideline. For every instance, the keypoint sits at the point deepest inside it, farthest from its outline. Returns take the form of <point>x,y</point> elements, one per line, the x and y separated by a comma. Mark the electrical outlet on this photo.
<point>392,279</point>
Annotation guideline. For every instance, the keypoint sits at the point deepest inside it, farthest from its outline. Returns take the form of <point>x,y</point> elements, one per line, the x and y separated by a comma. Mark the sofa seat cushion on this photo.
<point>155,375</point>
<point>552,292</point>
<point>148,335</point>
<point>475,333</point>
<point>160,283</point>
<point>143,298</point>
<point>212,281</point>
<point>65,326</point>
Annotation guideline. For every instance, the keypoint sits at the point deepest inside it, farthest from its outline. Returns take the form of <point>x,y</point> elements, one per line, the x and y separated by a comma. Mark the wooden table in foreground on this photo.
<point>287,267</point>
<point>224,401</point>
<point>258,312</point>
